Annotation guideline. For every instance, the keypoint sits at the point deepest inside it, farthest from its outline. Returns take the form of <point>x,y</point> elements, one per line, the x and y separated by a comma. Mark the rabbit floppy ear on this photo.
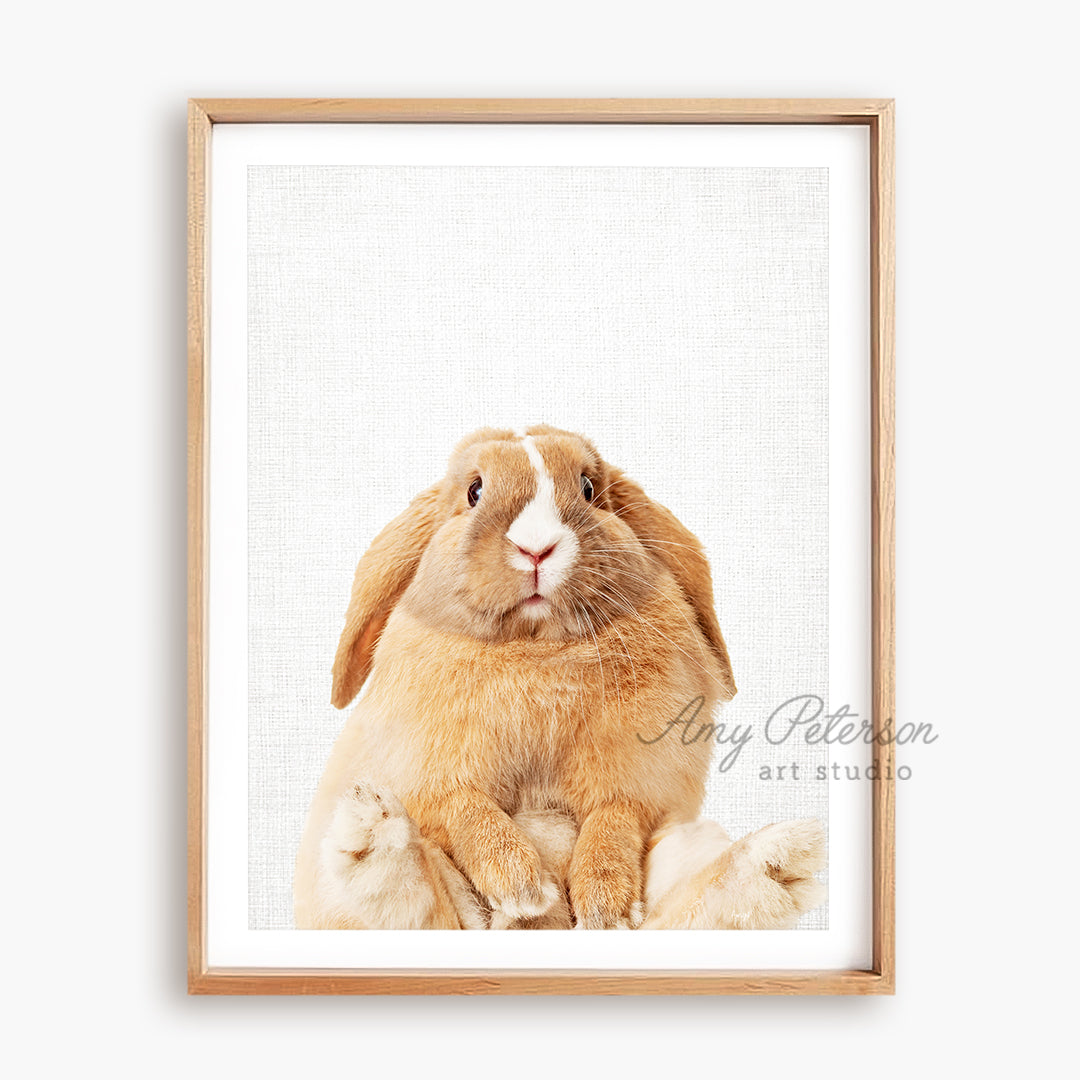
<point>666,538</point>
<point>382,575</point>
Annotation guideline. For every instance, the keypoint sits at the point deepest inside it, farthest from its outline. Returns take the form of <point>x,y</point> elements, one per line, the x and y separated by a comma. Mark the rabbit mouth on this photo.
<point>536,606</point>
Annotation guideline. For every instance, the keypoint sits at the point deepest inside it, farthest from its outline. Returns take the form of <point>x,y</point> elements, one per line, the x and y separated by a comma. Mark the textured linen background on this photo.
<point>677,317</point>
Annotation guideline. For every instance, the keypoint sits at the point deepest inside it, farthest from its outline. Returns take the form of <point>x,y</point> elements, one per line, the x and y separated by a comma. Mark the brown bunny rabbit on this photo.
<point>524,633</point>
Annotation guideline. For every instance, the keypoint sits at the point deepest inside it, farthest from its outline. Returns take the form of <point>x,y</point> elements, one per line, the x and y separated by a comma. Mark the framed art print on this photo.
<point>541,546</point>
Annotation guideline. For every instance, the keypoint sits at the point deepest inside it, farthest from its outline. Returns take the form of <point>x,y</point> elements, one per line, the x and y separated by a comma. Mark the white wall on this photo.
<point>93,261</point>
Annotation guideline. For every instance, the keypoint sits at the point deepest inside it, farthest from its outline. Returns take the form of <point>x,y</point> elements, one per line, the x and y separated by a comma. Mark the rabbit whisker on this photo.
<point>634,614</point>
<point>691,626</point>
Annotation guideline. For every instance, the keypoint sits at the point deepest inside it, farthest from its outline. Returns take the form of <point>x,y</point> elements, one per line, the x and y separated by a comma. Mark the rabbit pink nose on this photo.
<point>537,557</point>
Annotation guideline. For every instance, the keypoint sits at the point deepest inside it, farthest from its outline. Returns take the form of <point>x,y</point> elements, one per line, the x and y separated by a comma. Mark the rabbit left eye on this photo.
<point>586,488</point>
<point>476,489</point>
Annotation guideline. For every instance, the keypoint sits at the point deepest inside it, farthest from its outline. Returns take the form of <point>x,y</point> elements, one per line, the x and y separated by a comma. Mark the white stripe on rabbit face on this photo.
<point>539,529</point>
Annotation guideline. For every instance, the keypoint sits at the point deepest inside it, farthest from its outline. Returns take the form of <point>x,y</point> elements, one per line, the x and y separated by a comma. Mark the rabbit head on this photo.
<point>529,535</point>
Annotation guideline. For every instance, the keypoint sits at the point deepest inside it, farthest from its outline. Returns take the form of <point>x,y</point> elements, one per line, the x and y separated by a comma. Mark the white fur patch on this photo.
<point>538,527</point>
<point>683,852</point>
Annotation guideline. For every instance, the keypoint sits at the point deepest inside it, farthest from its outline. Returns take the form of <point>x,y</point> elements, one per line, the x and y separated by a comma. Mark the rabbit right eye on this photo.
<point>475,490</point>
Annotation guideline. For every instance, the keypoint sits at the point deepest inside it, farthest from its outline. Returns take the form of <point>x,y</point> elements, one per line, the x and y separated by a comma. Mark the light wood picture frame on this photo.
<point>877,117</point>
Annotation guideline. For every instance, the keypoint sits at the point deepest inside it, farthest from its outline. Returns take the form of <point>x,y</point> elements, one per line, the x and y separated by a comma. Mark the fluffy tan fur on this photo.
<point>503,767</point>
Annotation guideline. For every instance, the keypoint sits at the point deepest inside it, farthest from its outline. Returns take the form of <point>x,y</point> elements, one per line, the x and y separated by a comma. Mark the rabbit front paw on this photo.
<point>606,898</point>
<point>515,887</point>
